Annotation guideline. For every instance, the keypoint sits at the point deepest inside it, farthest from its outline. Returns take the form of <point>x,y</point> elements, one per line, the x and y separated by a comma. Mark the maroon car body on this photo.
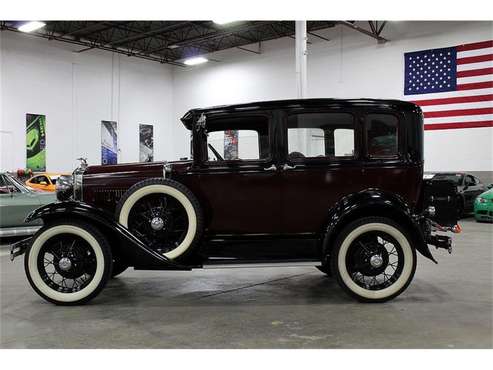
<point>359,159</point>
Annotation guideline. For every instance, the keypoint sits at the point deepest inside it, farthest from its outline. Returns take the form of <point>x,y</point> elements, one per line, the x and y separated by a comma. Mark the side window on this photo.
<point>237,139</point>
<point>35,180</point>
<point>320,135</point>
<point>382,135</point>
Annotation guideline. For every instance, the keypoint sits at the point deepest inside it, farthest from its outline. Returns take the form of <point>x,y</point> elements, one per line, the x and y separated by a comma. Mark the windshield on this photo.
<point>455,177</point>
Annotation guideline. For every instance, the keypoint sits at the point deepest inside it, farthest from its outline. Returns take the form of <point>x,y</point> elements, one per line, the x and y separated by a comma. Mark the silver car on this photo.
<point>16,201</point>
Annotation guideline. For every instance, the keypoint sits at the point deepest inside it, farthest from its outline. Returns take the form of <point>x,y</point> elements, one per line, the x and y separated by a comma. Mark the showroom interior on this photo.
<point>114,92</point>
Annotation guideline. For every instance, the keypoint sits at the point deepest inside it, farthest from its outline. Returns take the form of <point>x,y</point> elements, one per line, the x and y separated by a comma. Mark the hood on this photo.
<point>487,194</point>
<point>142,168</point>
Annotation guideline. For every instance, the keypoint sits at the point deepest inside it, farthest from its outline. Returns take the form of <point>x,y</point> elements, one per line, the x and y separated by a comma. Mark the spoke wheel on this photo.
<point>165,215</point>
<point>66,263</point>
<point>160,221</point>
<point>373,259</point>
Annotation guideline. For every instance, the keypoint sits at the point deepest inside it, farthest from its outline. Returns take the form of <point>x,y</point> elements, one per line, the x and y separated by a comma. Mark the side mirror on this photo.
<point>490,186</point>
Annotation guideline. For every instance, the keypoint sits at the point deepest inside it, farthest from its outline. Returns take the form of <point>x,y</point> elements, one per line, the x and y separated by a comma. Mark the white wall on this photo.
<point>351,65</point>
<point>76,91</point>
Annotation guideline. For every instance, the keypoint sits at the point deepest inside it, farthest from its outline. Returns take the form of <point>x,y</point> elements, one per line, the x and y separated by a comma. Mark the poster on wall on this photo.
<point>146,143</point>
<point>36,142</point>
<point>109,142</point>
<point>230,144</point>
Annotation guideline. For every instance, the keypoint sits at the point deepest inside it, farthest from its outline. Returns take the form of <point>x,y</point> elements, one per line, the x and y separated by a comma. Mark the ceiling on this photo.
<point>173,41</point>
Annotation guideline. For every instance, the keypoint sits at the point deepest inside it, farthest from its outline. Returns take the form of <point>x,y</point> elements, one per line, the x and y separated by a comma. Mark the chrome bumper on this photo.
<point>19,248</point>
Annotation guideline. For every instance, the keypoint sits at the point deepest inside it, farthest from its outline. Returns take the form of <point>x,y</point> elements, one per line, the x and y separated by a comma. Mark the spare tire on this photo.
<point>164,214</point>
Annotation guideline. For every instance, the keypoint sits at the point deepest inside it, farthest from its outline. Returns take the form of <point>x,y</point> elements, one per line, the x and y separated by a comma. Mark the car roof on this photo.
<point>301,103</point>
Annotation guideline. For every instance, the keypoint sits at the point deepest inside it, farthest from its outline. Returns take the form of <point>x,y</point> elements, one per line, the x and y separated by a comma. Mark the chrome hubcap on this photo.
<point>157,223</point>
<point>376,261</point>
<point>65,264</point>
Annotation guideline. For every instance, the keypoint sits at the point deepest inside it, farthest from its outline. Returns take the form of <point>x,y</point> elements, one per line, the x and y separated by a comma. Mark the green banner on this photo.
<point>36,142</point>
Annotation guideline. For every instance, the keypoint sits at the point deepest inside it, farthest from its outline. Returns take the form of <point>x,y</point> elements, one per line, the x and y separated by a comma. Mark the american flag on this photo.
<point>453,85</point>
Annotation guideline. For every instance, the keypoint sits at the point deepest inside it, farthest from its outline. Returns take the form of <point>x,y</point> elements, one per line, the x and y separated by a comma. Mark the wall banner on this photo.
<point>36,142</point>
<point>109,142</point>
<point>146,143</point>
<point>230,144</point>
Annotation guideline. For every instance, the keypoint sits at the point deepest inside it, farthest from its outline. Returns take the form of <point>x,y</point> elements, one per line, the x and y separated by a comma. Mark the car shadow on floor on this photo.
<point>309,288</point>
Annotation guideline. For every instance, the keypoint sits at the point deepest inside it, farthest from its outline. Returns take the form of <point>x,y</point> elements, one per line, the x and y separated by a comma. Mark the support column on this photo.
<point>301,52</point>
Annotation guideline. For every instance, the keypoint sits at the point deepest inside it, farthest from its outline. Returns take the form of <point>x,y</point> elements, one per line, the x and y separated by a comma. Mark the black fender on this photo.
<point>132,249</point>
<point>373,202</point>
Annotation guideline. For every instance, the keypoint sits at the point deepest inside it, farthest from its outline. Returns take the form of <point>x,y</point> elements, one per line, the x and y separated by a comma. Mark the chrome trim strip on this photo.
<point>261,264</point>
<point>18,231</point>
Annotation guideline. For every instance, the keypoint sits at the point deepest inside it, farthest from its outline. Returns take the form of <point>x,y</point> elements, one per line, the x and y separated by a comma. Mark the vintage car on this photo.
<point>16,202</point>
<point>336,184</point>
<point>44,181</point>
<point>468,188</point>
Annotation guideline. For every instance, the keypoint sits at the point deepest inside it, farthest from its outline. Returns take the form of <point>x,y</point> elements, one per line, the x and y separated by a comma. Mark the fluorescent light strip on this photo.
<point>195,60</point>
<point>31,26</point>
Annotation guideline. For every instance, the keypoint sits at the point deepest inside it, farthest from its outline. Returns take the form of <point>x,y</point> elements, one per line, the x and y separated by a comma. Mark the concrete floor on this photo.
<point>448,305</point>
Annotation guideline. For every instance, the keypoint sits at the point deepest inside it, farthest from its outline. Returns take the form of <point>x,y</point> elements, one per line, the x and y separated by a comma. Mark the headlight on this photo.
<point>64,188</point>
<point>482,200</point>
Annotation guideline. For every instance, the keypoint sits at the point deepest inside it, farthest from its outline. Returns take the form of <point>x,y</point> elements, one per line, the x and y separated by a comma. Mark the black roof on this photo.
<point>301,103</point>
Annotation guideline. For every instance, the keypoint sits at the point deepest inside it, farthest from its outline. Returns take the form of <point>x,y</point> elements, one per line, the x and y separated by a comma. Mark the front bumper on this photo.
<point>19,248</point>
<point>483,211</point>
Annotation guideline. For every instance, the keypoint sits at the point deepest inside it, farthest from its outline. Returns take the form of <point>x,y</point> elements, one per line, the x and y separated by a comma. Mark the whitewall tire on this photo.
<point>79,257</point>
<point>373,259</point>
<point>168,189</point>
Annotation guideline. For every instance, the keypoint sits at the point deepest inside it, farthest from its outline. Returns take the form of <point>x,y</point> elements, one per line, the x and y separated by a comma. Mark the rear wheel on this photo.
<point>68,263</point>
<point>373,259</point>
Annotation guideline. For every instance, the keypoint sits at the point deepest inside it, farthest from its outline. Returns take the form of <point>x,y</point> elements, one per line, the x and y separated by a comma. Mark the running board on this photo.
<point>220,264</point>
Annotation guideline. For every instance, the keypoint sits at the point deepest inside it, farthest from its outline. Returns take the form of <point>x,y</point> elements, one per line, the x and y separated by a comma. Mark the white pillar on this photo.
<point>301,52</point>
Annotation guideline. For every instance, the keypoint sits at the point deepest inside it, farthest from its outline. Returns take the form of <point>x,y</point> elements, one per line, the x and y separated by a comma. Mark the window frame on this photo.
<point>401,136</point>
<point>321,160</point>
<point>238,162</point>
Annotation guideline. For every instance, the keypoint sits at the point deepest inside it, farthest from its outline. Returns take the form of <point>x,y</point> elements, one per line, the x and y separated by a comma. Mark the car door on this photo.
<point>237,180</point>
<point>471,190</point>
<point>16,205</point>
<point>320,165</point>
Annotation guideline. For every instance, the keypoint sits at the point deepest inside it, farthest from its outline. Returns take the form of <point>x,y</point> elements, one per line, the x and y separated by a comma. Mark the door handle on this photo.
<point>271,168</point>
<point>288,167</point>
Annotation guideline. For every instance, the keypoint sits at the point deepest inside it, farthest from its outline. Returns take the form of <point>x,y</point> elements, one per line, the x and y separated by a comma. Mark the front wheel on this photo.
<point>373,259</point>
<point>68,263</point>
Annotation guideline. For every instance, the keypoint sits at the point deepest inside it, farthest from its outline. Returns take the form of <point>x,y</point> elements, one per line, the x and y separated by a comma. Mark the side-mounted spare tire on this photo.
<point>164,214</point>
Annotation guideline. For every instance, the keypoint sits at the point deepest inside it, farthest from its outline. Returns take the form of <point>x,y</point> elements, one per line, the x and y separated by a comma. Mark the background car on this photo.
<point>16,201</point>
<point>468,187</point>
<point>44,181</point>
<point>483,206</point>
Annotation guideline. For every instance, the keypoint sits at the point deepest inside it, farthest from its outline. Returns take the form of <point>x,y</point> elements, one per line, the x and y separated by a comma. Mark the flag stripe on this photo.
<point>473,53</point>
<point>475,85</point>
<point>458,112</point>
<point>480,117</point>
<point>473,105</point>
<point>475,45</point>
<point>455,125</point>
<point>454,100</point>
<point>475,59</point>
<point>475,72</point>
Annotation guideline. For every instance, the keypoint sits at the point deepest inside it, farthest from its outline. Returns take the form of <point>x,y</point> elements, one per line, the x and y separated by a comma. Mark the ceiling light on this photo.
<point>31,26</point>
<point>174,46</point>
<point>224,21</point>
<point>195,60</point>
